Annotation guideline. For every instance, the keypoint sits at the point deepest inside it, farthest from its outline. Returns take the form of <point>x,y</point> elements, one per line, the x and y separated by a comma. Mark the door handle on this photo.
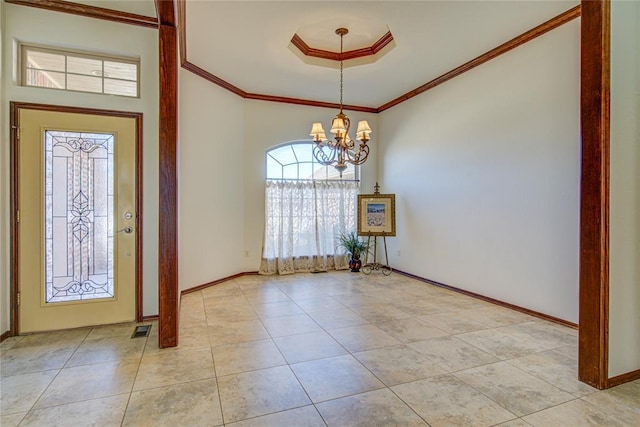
<point>126,230</point>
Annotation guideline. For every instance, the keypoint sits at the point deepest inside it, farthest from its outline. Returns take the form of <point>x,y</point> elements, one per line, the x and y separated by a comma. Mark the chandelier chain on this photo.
<point>341,50</point>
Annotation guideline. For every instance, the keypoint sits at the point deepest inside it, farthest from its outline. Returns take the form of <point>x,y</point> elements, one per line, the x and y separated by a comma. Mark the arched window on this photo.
<point>307,207</point>
<point>295,161</point>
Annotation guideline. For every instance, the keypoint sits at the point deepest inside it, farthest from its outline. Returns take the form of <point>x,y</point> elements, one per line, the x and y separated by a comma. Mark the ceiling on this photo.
<point>247,43</point>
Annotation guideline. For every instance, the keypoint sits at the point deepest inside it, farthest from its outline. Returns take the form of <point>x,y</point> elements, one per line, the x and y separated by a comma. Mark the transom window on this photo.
<point>78,71</point>
<point>295,161</point>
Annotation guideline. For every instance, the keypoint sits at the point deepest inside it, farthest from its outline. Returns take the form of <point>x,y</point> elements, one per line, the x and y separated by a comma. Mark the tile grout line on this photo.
<point>283,287</point>
<point>133,384</point>
<point>213,360</point>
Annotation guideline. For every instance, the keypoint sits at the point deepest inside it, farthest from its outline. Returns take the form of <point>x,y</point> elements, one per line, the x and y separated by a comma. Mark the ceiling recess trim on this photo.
<point>200,72</point>
<point>307,50</point>
<point>90,11</point>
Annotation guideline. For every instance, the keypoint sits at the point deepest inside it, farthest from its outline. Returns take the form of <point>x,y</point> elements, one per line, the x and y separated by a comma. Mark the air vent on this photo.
<point>141,331</point>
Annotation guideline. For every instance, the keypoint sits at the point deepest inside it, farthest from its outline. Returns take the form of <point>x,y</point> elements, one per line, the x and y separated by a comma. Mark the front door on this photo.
<point>76,219</point>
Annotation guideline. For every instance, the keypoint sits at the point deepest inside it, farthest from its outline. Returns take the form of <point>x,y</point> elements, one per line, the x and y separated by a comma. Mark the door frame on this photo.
<point>14,112</point>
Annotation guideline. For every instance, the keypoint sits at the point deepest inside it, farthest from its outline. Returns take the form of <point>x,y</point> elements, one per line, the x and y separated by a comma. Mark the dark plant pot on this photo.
<point>355,264</point>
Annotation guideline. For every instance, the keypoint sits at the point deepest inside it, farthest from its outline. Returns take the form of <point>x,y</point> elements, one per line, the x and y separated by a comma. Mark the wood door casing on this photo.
<point>97,116</point>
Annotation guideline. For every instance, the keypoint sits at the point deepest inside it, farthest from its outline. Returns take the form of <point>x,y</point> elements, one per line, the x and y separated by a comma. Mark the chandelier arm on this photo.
<point>349,143</point>
<point>347,125</point>
<point>331,144</point>
<point>322,157</point>
<point>360,156</point>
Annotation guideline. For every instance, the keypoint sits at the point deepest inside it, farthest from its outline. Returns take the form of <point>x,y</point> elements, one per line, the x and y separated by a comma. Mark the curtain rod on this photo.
<point>312,180</point>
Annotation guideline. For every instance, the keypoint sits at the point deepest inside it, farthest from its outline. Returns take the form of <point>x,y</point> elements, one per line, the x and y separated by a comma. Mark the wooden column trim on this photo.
<point>14,278</point>
<point>166,10</point>
<point>169,298</point>
<point>139,218</point>
<point>593,345</point>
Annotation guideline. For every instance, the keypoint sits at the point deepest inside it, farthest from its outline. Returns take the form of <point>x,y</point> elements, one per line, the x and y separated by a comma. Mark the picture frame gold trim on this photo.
<point>376,214</point>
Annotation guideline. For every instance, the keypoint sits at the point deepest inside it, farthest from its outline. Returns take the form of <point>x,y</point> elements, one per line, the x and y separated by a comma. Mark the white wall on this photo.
<point>223,141</point>
<point>486,173</point>
<point>222,146</point>
<point>31,25</point>
<point>268,124</point>
<point>624,284</point>
<point>211,166</point>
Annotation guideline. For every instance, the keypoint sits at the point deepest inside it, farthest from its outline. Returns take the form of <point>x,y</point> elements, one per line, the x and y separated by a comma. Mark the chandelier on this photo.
<point>342,149</point>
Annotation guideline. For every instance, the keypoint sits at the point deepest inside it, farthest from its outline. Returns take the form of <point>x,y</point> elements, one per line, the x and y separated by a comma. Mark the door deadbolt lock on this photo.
<point>128,215</point>
<point>126,230</point>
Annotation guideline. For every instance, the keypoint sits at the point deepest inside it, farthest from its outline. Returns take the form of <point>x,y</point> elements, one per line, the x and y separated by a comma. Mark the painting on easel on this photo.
<point>376,214</point>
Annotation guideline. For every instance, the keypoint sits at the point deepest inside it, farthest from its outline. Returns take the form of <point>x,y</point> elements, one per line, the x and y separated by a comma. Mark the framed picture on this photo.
<point>377,214</point>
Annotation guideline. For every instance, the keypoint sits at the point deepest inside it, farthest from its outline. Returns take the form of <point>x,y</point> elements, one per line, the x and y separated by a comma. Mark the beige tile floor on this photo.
<point>335,349</point>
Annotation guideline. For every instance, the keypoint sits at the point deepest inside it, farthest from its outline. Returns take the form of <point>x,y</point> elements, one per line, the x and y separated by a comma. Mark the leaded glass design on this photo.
<point>79,197</point>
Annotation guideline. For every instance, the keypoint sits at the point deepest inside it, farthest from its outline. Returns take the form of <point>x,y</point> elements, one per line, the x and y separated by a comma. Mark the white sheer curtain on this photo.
<point>303,222</point>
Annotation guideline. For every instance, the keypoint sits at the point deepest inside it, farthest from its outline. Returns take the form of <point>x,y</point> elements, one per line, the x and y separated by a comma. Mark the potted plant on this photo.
<point>352,244</point>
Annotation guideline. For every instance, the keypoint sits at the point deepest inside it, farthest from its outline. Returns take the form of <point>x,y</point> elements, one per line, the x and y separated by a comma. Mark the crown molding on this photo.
<point>309,102</point>
<point>307,50</point>
<point>200,72</point>
<point>90,11</point>
<point>523,38</point>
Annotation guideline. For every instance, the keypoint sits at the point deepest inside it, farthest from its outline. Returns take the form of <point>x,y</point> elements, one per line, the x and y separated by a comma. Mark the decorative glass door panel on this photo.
<point>76,190</point>
<point>79,174</point>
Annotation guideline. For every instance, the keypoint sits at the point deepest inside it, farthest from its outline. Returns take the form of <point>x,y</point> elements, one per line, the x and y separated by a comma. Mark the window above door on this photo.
<point>52,68</point>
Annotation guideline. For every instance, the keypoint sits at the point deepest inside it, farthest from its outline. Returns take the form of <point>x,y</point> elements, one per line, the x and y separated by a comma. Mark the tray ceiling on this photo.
<point>248,43</point>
